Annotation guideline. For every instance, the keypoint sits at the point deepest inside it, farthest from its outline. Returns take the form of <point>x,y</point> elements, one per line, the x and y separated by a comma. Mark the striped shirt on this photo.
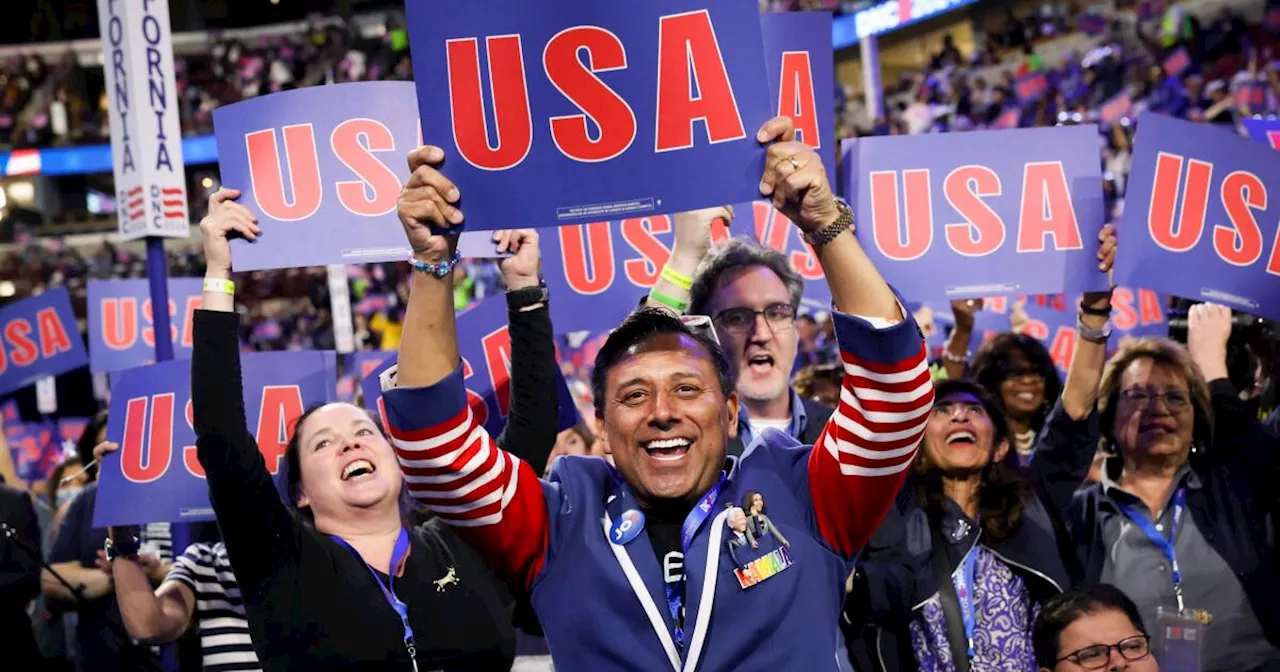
<point>219,611</point>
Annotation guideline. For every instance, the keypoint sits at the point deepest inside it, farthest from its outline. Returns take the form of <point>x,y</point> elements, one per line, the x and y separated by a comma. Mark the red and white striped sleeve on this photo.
<point>861,459</point>
<point>454,468</point>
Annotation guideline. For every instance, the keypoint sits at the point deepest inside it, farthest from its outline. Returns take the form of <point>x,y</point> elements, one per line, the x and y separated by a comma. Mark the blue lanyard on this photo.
<point>1165,545</point>
<point>965,586</point>
<point>388,589</point>
<point>675,591</point>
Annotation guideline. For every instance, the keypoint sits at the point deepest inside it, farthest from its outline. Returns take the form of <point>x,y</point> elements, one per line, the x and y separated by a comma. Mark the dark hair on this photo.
<point>1004,486</point>
<point>1066,608</point>
<point>738,253</point>
<point>994,360</point>
<point>88,440</point>
<point>641,326</point>
<point>746,501</point>
<point>55,478</point>
<point>289,478</point>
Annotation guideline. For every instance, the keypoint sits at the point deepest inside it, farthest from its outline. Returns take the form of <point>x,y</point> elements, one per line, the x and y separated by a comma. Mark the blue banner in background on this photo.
<point>120,322</point>
<point>156,476</point>
<point>92,159</point>
<point>38,338</point>
<point>636,108</point>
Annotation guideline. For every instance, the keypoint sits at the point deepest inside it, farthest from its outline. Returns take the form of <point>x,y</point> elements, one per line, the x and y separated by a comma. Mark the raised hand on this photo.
<point>794,177</point>
<point>1208,330</point>
<point>693,231</point>
<point>428,205</point>
<point>964,310</point>
<point>226,218</point>
<point>523,268</point>
<point>1106,261</point>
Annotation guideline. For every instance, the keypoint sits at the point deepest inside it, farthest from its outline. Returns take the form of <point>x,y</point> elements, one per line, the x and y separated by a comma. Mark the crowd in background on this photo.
<point>43,104</point>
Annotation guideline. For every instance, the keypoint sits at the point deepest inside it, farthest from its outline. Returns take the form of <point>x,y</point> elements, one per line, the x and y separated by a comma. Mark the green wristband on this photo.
<point>669,301</point>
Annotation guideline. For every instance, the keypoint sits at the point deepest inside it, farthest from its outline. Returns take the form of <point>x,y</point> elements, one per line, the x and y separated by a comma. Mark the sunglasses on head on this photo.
<point>701,324</point>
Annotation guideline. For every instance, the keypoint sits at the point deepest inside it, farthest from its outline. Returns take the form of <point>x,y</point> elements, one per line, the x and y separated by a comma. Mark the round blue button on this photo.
<point>626,527</point>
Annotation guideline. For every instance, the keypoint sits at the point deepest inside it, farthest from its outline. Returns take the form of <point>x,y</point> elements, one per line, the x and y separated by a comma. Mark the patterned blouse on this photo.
<point>1002,637</point>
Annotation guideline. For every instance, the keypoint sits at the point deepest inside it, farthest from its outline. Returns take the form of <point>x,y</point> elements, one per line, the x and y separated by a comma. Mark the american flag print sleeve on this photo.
<point>864,454</point>
<point>454,468</point>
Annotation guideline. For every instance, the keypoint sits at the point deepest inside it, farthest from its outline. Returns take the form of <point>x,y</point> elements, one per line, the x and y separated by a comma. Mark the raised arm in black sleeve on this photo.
<point>530,433</point>
<point>257,529</point>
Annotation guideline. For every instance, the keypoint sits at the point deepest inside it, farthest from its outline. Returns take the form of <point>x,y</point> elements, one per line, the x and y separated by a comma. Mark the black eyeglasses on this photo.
<point>1174,400</point>
<point>1097,656</point>
<point>780,316</point>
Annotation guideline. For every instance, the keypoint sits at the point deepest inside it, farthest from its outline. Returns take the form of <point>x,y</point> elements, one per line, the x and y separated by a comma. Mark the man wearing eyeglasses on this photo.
<point>751,293</point>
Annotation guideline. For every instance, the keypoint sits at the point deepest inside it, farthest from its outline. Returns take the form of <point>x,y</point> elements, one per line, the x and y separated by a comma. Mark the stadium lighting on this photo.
<point>207,183</point>
<point>7,289</point>
<point>22,192</point>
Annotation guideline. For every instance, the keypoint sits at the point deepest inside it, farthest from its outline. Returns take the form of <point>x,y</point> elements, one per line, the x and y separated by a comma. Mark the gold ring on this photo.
<point>794,165</point>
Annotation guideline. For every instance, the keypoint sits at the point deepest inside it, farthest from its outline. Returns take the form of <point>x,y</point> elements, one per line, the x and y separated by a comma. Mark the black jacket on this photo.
<point>19,575</point>
<point>1239,473</point>
<point>895,574</point>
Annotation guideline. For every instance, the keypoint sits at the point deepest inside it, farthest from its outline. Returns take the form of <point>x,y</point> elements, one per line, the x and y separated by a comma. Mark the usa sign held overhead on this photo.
<point>142,101</point>
<point>120,332</point>
<point>38,338</point>
<point>626,104</point>
<point>156,475</point>
<point>1008,212</point>
<point>598,272</point>
<point>1202,215</point>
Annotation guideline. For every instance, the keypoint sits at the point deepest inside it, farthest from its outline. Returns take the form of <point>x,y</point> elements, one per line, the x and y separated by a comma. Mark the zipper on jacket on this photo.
<point>1027,569</point>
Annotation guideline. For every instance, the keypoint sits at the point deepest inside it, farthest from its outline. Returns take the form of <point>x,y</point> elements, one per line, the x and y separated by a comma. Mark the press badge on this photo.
<point>1180,639</point>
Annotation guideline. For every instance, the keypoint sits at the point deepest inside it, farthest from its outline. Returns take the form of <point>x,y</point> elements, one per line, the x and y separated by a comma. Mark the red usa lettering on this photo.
<point>902,211</point>
<point>1181,191</point>
<point>24,343</point>
<point>689,58</point>
<point>591,257</point>
<point>1129,311</point>
<point>147,449</point>
<point>121,323</point>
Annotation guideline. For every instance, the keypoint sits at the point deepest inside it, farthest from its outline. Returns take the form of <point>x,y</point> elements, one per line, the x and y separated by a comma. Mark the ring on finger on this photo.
<point>795,165</point>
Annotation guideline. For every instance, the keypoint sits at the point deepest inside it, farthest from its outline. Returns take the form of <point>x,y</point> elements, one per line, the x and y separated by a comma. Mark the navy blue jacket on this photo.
<point>895,571</point>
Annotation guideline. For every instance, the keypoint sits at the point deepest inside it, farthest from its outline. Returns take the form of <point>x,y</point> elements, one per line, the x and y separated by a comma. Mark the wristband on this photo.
<point>671,302</point>
<point>438,270</point>
<point>1096,312</point>
<point>677,278</point>
<point>219,286</point>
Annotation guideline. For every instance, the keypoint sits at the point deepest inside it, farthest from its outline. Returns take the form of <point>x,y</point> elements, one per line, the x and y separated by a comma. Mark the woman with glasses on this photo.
<point>1019,371</point>
<point>1177,521</point>
<point>1092,628</point>
<point>954,576</point>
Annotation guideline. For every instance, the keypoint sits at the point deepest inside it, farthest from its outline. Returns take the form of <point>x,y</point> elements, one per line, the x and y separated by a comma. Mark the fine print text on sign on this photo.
<point>484,343</point>
<point>156,475</point>
<point>121,318</point>
<point>322,168</point>
<point>1202,214</point>
<point>1009,212</point>
<point>634,108</point>
<point>38,338</point>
